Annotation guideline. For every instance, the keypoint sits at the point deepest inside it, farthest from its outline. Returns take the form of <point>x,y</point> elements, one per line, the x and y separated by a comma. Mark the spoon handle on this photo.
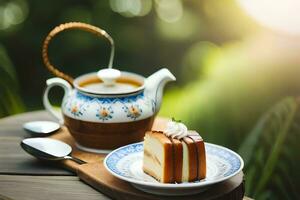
<point>77,160</point>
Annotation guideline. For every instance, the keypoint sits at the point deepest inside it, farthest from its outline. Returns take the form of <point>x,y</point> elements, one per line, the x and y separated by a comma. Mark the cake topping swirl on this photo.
<point>176,130</point>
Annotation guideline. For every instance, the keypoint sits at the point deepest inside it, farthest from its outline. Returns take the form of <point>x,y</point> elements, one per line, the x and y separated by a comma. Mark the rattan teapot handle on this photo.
<point>72,25</point>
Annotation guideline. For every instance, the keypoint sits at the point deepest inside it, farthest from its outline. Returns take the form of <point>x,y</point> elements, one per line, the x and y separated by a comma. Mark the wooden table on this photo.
<point>24,177</point>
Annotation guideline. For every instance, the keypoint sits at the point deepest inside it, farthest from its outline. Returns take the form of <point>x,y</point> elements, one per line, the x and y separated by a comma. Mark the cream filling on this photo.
<point>185,163</point>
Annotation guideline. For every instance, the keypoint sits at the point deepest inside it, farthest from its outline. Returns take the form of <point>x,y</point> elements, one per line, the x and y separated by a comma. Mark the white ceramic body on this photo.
<point>91,108</point>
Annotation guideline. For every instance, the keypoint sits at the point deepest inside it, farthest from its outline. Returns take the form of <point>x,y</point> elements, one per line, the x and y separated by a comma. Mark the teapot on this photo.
<point>106,109</point>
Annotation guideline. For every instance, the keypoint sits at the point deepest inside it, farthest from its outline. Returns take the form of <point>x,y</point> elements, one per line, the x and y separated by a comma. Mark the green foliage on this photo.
<point>271,153</point>
<point>228,93</point>
<point>227,76</point>
<point>10,102</point>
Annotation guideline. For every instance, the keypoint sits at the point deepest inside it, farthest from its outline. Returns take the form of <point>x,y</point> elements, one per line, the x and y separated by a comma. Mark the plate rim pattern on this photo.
<point>112,158</point>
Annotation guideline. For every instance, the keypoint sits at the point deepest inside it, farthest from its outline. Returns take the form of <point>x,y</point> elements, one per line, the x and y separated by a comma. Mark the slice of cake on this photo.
<point>174,155</point>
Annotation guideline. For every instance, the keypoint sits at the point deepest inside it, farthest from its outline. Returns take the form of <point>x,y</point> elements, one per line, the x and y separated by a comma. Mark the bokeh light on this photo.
<point>169,11</point>
<point>185,28</point>
<point>131,8</point>
<point>199,56</point>
<point>12,13</point>
<point>282,15</point>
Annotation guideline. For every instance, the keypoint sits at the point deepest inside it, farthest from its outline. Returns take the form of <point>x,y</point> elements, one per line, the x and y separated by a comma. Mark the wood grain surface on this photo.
<point>24,177</point>
<point>13,159</point>
<point>47,188</point>
<point>118,189</point>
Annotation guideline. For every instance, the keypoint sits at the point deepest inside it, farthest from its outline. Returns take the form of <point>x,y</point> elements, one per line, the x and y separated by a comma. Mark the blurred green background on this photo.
<point>237,65</point>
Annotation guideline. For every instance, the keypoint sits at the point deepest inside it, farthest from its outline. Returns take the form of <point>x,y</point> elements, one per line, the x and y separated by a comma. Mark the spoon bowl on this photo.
<point>49,149</point>
<point>41,128</point>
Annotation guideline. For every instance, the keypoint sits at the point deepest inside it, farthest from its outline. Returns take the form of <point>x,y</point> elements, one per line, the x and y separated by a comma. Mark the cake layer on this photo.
<point>200,152</point>
<point>171,160</point>
<point>192,159</point>
<point>158,150</point>
<point>177,160</point>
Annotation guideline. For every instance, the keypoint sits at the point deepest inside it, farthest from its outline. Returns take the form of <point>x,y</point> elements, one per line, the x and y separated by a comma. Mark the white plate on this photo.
<point>126,163</point>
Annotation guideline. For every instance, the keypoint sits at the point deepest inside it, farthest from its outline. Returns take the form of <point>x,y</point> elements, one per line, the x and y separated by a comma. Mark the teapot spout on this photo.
<point>155,84</point>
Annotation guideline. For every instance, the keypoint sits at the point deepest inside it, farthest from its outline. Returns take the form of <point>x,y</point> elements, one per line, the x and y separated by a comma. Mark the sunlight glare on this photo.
<point>282,15</point>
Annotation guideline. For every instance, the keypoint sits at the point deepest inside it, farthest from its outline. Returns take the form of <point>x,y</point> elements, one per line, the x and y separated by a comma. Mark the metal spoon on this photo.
<point>49,149</point>
<point>41,128</point>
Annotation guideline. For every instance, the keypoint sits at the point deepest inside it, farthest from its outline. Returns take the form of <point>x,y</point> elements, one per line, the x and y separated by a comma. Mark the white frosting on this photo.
<point>176,130</point>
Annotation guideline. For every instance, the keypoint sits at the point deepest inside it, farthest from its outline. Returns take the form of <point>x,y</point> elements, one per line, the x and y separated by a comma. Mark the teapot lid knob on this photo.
<point>109,76</point>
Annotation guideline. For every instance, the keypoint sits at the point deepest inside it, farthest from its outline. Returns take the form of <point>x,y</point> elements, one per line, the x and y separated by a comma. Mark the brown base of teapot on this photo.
<point>107,135</point>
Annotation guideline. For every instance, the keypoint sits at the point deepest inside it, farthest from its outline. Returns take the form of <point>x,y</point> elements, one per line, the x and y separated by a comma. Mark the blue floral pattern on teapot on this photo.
<point>121,109</point>
<point>140,103</point>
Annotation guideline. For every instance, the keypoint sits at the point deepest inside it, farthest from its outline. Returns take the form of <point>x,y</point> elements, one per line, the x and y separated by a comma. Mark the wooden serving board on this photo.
<point>95,174</point>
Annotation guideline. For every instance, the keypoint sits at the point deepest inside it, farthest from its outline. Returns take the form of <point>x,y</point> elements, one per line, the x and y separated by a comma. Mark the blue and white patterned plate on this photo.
<point>126,163</point>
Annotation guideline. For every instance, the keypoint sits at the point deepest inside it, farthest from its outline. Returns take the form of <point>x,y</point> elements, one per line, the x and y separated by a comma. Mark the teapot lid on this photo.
<point>127,83</point>
<point>109,76</point>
